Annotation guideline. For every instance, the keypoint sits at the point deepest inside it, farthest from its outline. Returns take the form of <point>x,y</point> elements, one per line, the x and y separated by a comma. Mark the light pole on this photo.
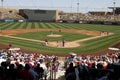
<point>114,8</point>
<point>71,6</point>
<point>2,4</point>
<point>78,10</point>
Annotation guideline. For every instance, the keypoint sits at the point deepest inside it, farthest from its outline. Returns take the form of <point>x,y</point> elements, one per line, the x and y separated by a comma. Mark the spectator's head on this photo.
<point>71,65</point>
<point>20,66</point>
<point>38,65</point>
<point>27,66</point>
<point>11,66</point>
<point>4,64</point>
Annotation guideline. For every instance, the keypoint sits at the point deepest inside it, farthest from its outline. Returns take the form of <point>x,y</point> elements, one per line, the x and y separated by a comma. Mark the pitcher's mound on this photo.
<point>54,35</point>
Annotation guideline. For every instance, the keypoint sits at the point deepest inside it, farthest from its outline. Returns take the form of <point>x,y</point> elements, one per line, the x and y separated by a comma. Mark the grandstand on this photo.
<point>117,9</point>
<point>6,13</point>
<point>90,16</point>
<point>56,16</point>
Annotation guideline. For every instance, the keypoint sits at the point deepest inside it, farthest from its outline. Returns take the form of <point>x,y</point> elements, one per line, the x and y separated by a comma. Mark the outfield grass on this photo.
<point>44,35</point>
<point>87,46</point>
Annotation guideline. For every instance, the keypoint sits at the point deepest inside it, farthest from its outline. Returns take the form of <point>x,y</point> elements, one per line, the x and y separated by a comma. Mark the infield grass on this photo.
<point>44,35</point>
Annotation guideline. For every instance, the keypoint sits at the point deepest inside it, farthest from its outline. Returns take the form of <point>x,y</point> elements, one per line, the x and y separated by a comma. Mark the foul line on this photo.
<point>76,41</point>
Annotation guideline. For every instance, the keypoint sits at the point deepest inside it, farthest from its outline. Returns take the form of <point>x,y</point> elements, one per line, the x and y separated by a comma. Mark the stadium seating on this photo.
<point>89,17</point>
<point>104,67</point>
<point>10,14</point>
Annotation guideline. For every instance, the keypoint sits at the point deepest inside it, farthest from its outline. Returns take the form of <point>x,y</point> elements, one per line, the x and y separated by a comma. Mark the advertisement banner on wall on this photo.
<point>8,20</point>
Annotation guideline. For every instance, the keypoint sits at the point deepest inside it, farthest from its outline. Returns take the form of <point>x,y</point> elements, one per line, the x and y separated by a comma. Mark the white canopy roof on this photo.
<point>14,49</point>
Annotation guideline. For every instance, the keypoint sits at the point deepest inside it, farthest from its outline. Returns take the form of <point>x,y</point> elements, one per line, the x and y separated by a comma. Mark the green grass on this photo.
<point>86,46</point>
<point>44,35</point>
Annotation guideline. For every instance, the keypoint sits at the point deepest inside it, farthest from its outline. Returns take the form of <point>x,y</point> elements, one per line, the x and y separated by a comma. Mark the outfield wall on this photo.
<point>39,15</point>
<point>93,22</point>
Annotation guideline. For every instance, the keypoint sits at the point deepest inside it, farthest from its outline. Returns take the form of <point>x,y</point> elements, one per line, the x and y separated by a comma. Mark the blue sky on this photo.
<point>64,5</point>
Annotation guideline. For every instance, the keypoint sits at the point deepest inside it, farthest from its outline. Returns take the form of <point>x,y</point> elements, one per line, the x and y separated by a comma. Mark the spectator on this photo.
<point>40,71</point>
<point>70,72</point>
<point>11,72</point>
<point>26,74</point>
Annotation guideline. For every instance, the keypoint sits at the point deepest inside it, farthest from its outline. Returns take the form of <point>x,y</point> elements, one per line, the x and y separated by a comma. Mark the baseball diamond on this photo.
<point>79,38</point>
<point>59,40</point>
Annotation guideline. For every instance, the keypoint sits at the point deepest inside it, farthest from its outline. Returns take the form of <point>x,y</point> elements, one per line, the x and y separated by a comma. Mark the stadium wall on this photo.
<point>93,22</point>
<point>39,15</point>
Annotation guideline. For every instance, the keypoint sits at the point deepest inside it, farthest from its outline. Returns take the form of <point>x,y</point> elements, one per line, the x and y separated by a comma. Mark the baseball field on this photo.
<point>78,38</point>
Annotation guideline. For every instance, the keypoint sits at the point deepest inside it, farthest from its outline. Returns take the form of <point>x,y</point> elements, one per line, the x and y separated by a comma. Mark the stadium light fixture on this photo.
<point>78,6</point>
<point>2,4</point>
<point>71,6</point>
<point>114,7</point>
<point>78,9</point>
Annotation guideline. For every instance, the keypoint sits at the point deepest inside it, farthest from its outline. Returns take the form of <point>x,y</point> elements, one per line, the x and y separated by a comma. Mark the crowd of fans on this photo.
<point>21,66</point>
<point>17,65</point>
<point>10,14</point>
<point>104,67</point>
<point>4,15</point>
<point>89,17</point>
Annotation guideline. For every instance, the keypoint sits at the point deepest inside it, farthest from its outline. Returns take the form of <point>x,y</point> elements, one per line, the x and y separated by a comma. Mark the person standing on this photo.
<point>1,30</point>
<point>57,43</point>
<point>40,71</point>
<point>107,33</point>
<point>51,32</point>
<point>63,42</point>
<point>46,42</point>
<point>59,30</point>
<point>10,45</point>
